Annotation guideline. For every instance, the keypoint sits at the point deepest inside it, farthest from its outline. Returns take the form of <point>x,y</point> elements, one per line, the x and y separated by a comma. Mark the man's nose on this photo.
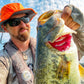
<point>22,23</point>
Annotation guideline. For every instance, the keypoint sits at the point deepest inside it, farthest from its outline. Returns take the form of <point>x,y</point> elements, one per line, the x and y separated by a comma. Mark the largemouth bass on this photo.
<point>56,56</point>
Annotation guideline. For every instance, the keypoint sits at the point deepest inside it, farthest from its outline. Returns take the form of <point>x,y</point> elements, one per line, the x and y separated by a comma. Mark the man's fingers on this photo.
<point>66,13</point>
<point>67,10</point>
<point>65,16</point>
<point>68,21</point>
<point>73,25</point>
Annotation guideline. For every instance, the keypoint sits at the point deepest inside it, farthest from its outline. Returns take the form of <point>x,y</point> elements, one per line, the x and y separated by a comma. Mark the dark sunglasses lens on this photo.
<point>14,22</point>
<point>17,21</point>
<point>25,19</point>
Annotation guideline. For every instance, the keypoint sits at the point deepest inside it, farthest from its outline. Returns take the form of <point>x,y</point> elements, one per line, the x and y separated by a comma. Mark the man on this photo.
<point>18,56</point>
<point>20,50</point>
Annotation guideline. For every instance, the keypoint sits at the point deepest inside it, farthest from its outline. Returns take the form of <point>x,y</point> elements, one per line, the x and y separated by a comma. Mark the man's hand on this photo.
<point>66,16</point>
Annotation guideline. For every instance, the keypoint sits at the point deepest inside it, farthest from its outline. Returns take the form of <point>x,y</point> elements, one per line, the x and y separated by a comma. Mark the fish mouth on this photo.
<point>62,43</point>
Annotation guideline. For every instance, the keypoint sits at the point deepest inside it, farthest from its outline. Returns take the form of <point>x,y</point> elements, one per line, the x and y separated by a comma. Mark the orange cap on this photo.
<point>15,8</point>
<point>0,14</point>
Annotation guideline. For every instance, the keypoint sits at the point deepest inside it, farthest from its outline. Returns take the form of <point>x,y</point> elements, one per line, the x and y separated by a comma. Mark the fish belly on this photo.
<point>57,68</point>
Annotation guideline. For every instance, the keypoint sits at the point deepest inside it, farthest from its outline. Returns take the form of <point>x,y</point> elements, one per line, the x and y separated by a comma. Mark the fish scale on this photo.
<point>52,67</point>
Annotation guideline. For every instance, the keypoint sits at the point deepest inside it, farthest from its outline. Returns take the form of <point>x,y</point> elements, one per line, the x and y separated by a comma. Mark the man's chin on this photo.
<point>23,38</point>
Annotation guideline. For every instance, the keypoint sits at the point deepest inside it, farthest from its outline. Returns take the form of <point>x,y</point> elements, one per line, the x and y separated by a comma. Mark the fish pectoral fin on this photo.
<point>81,70</point>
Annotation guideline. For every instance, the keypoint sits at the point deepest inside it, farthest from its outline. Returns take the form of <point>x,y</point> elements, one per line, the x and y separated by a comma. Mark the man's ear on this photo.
<point>4,27</point>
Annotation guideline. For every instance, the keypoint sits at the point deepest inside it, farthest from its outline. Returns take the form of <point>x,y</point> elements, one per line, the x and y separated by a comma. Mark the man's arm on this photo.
<point>74,19</point>
<point>3,70</point>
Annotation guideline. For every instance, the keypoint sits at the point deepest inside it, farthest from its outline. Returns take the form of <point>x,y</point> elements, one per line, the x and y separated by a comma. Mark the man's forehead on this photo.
<point>18,16</point>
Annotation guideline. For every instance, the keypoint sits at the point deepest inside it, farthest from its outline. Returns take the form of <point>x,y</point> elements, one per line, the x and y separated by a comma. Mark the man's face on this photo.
<point>21,31</point>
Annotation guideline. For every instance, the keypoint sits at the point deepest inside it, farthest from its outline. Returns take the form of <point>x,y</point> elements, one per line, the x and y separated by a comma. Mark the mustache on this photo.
<point>23,28</point>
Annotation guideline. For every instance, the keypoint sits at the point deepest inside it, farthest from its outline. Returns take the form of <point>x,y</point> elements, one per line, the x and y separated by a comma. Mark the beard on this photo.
<point>22,37</point>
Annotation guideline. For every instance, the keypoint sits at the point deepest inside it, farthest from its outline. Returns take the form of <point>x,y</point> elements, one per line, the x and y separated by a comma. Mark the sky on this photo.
<point>40,6</point>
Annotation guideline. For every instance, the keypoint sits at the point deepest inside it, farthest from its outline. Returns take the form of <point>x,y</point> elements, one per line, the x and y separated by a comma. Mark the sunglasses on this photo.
<point>16,21</point>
